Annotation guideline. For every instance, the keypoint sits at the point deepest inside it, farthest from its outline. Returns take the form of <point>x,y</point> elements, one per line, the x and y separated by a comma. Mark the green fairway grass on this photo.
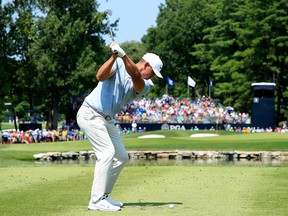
<point>31,188</point>
<point>147,190</point>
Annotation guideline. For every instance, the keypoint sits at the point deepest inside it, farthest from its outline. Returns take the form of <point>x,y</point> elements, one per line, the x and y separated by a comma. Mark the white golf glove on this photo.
<point>115,48</point>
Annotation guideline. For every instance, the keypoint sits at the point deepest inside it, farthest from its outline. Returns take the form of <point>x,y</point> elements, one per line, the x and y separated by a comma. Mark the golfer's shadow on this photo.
<point>151,203</point>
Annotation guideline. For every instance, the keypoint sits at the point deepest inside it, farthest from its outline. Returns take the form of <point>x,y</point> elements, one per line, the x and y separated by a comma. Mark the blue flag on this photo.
<point>169,81</point>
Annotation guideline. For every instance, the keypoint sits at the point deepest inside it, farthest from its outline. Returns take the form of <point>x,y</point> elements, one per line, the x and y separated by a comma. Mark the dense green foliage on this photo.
<point>235,43</point>
<point>51,49</point>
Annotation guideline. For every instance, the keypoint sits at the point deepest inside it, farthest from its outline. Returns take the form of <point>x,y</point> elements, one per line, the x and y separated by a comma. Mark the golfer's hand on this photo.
<point>115,48</point>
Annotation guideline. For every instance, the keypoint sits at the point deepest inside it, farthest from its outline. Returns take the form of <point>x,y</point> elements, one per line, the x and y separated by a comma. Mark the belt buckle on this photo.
<point>108,118</point>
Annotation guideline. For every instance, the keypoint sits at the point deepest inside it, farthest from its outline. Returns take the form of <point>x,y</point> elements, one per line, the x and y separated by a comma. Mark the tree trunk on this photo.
<point>55,112</point>
<point>52,118</point>
<point>48,119</point>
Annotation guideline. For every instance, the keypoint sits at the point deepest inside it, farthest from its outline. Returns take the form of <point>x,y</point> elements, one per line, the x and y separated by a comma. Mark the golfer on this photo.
<point>120,81</point>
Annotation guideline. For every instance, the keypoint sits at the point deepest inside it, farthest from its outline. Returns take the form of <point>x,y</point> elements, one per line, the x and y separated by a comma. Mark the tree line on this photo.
<point>234,43</point>
<point>50,51</point>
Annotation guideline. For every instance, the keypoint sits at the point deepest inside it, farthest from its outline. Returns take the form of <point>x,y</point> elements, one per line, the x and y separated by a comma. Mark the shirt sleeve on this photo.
<point>131,94</point>
<point>144,91</point>
<point>118,64</point>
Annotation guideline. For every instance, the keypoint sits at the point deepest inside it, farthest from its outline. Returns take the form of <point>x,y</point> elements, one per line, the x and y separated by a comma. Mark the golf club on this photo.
<point>109,13</point>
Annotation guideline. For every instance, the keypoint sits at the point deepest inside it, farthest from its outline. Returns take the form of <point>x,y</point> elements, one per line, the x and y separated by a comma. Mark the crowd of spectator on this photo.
<point>171,110</point>
<point>282,129</point>
<point>160,110</point>
<point>38,136</point>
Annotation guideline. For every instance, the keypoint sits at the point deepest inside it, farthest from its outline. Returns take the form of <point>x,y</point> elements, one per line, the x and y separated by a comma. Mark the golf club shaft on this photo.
<point>109,12</point>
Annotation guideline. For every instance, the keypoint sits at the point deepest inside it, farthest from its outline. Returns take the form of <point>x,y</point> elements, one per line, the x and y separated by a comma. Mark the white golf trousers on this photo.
<point>108,147</point>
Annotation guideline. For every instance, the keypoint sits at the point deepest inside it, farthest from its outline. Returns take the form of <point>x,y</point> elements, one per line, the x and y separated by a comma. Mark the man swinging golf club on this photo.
<point>120,81</point>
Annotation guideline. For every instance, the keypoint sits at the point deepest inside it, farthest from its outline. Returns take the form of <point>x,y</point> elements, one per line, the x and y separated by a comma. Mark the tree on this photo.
<point>248,44</point>
<point>66,51</point>
<point>180,26</point>
<point>268,45</point>
<point>14,46</point>
<point>5,51</point>
<point>218,53</point>
<point>135,50</point>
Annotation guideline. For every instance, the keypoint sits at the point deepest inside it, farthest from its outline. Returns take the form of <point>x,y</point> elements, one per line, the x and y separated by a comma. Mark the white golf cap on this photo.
<point>155,62</point>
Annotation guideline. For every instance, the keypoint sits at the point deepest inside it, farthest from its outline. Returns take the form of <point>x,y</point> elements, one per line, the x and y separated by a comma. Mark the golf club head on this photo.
<point>109,12</point>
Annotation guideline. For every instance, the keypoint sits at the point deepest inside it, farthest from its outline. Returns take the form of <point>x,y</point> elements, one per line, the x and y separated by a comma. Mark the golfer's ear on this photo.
<point>146,64</point>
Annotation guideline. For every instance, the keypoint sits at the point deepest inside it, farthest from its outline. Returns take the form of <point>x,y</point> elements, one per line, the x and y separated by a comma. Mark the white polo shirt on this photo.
<point>112,94</point>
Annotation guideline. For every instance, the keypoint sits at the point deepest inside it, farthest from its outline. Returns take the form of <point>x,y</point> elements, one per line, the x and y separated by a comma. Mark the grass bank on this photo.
<point>174,140</point>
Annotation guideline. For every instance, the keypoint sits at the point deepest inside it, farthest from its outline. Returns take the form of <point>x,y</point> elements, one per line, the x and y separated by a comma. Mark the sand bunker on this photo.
<point>203,135</point>
<point>151,136</point>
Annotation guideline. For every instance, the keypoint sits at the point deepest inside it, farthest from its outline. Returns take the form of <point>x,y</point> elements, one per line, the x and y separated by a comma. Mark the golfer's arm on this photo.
<point>135,74</point>
<point>105,71</point>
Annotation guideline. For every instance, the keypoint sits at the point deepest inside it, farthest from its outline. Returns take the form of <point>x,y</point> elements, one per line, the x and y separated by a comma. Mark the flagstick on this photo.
<point>209,91</point>
<point>187,90</point>
<point>167,89</point>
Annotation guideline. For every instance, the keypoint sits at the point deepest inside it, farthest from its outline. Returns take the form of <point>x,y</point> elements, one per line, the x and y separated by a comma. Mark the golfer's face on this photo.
<point>151,72</point>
